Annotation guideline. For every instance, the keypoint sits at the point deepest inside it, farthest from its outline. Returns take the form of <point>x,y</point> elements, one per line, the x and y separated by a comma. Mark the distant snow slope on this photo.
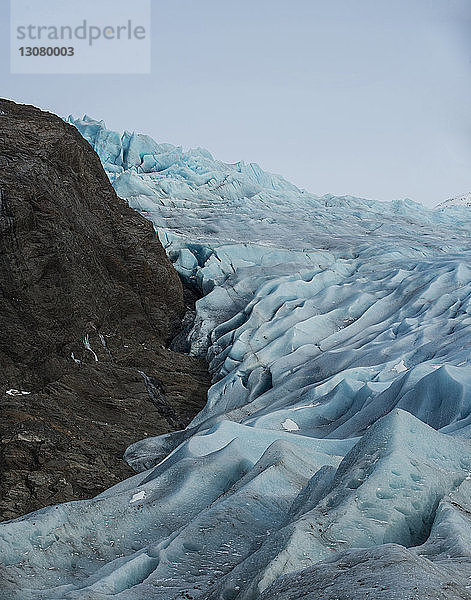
<point>464,200</point>
<point>338,331</point>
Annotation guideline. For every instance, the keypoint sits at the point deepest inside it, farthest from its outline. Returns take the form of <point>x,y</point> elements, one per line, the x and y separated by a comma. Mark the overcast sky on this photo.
<point>362,97</point>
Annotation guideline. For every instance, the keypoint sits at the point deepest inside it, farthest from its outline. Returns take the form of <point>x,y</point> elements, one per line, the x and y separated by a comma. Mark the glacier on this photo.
<point>333,455</point>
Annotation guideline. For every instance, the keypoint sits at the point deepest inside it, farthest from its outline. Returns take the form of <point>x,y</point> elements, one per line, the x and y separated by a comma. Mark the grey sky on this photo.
<point>365,97</point>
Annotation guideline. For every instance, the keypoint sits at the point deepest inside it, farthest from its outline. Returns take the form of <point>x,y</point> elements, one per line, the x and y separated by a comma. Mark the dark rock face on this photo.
<point>89,303</point>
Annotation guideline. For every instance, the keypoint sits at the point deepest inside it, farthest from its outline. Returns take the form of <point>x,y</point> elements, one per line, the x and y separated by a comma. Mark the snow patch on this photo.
<point>306,406</point>
<point>13,392</point>
<point>400,367</point>
<point>25,437</point>
<point>139,496</point>
<point>290,425</point>
<point>86,343</point>
<point>464,200</point>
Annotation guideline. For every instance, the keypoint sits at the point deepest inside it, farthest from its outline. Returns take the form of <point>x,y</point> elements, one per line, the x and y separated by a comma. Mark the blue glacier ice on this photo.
<point>333,455</point>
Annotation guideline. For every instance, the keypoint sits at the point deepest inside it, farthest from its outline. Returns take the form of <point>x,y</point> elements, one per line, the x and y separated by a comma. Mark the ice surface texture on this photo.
<point>334,452</point>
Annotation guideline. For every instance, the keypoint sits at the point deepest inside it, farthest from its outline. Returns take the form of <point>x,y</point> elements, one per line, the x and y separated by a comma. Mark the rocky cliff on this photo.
<point>89,304</point>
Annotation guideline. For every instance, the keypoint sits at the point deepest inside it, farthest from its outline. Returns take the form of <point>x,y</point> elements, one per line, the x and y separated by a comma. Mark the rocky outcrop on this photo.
<point>89,304</point>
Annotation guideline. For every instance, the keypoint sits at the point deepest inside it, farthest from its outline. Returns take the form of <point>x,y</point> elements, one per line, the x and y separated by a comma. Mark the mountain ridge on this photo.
<point>457,201</point>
